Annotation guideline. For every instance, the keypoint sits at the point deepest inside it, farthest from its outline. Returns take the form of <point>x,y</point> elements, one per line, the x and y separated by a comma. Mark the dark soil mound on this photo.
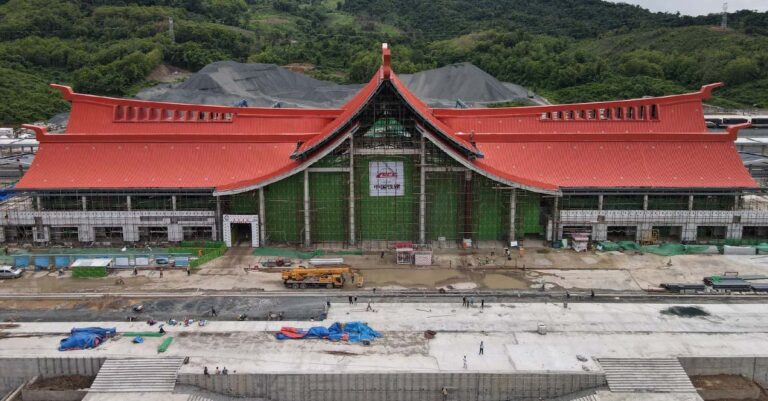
<point>685,311</point>
<point>74,382</point>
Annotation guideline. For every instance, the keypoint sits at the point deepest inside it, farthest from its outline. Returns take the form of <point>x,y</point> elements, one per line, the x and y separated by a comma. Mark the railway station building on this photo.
<point>384,168</point>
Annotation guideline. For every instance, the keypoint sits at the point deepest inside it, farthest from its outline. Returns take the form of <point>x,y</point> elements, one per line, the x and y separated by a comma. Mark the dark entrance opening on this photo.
<point>622,233</point>
<point>669,233</point>
<point>710,233</point>
<point>241,234</point>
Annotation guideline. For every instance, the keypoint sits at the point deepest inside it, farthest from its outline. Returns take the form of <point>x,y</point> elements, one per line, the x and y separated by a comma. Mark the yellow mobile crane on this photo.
<point>318,277</point>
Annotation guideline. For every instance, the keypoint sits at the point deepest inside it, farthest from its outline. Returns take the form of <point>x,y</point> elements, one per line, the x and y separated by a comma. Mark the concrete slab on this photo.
<point>508,332</point>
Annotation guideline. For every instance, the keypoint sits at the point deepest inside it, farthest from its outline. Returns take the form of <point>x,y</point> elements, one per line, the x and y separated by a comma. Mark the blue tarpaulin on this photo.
<point>42,261</point>
<point>352,331</point>
<point>7,192</point>
<point>21,261</point>
<point>61,261</point>
<point>86,337</point>
<point>101,331</point>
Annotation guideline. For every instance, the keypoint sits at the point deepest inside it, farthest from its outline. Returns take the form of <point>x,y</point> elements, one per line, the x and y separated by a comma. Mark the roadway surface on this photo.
<point>297,306</point>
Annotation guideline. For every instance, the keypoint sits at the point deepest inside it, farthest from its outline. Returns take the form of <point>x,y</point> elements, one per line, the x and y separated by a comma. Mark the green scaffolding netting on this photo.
<point>295,254</point>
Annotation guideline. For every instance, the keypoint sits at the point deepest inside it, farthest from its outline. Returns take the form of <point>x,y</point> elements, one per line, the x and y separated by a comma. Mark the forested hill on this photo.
<point>567,50</point>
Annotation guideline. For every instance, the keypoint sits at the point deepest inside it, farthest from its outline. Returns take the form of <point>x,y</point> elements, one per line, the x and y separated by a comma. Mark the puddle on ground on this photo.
<point>496,281</point>
<point>412,277</point>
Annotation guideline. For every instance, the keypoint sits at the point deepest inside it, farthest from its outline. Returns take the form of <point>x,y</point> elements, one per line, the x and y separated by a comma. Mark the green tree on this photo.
<point>740,70</point>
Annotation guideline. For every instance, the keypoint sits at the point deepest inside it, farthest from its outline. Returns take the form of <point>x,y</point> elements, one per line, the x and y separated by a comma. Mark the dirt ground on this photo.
<point>732,387</point>
<point>459,269</point>
<point>74,382</point>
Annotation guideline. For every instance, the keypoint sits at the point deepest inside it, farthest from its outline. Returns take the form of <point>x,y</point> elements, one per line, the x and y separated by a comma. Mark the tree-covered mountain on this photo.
<point>569,50</point>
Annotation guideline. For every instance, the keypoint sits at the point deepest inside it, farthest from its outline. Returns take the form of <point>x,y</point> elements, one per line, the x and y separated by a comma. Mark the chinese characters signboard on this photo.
<point>386,178</point>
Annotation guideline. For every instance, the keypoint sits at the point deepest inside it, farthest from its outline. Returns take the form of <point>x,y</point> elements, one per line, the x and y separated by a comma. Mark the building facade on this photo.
<point>384,168</point>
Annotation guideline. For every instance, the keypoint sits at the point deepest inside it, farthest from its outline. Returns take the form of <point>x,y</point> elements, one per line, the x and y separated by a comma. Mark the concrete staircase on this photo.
<point>662,375</point>
<point>137,375</point>
<point>586,395</point>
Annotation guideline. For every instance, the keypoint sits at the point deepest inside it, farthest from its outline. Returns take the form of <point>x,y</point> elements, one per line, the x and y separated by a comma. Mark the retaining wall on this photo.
<point>52,395</point>
<point>753,368</point>
<point>523,386</point>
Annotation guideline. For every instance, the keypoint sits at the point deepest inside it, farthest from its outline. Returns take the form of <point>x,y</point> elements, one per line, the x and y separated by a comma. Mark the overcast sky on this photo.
<point>698,7</point>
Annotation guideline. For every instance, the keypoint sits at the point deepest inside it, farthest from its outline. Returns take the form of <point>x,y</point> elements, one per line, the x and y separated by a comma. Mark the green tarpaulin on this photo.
<point>143,334</point>
<point>164,346</point>
<point>662,250</point>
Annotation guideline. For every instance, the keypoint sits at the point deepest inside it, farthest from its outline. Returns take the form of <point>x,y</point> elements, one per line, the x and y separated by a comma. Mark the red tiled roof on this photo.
<point>642,143</point>
<point>560,165</point>
<point>155,165</point>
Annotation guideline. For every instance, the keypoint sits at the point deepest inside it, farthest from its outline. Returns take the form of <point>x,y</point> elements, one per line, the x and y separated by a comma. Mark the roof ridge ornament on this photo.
<point>386,59</point>
<point>40,132</point>
<point>733,130</point>
<point>706,90</point>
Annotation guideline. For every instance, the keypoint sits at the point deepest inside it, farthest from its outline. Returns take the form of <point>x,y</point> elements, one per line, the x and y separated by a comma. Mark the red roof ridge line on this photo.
<point>295,112</point>
<point>42,135</point>
<point>602,137</point>
<point>705,92</point>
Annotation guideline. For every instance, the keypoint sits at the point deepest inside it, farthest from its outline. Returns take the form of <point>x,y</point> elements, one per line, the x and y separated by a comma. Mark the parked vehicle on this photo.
<point>10,272</point>
<point>328,277</point>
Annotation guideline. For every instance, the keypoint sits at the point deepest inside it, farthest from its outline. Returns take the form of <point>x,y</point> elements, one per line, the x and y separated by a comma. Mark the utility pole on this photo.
<point>170,30</point>
<point>724,21</point>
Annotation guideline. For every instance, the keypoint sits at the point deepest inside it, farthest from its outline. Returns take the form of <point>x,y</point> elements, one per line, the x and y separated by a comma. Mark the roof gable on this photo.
<point>385,79</point>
